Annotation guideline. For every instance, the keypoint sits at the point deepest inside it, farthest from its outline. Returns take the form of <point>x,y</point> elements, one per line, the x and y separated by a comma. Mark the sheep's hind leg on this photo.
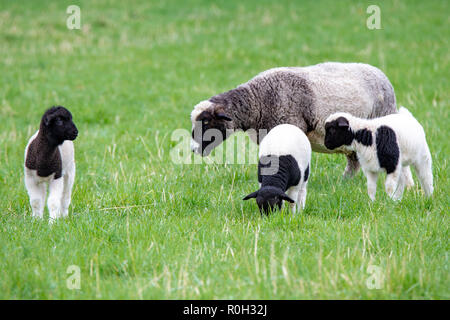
<point>352,165</point>
<point>36,192</point>
<point>407,177</point>
<point>400,185</point>
<point>302,195</point>
<point>56,188</point>
<point>425,174</point>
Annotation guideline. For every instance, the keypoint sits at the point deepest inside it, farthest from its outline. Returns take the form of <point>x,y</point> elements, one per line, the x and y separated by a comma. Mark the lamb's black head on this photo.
<point>269,199</point>
<point>209,127</point>
<point>58,126</point>
<point>338,133</point>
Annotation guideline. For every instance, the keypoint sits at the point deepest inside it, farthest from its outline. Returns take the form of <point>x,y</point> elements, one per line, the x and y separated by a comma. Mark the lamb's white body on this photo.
<point>287,139</point>
<point>413,149</point>
<point>60,190</point>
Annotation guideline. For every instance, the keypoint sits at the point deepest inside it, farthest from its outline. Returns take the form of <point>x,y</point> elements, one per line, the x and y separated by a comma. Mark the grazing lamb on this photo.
<point>283,168</point>
<point>302,96</point>
<point>390,143</point>
<point>49,160</point>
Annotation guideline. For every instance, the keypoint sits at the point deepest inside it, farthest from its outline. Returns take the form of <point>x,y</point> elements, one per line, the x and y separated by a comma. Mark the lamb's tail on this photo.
<point>403,110</point>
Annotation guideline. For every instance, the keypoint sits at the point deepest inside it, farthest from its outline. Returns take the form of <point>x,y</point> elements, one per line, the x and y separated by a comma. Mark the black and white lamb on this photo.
<point>283,169</point>
<point>49,161</point>
<point>302,96</point>
<point>391,144</point>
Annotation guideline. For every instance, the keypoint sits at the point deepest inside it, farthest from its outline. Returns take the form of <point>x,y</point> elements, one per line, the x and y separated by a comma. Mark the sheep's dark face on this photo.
<point>58,125</point>
<point>269,199</point>
<point>208,131</point>
<point>338,133</point>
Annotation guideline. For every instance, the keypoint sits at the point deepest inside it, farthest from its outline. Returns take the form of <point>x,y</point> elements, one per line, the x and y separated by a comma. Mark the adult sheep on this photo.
<point>302,96</point>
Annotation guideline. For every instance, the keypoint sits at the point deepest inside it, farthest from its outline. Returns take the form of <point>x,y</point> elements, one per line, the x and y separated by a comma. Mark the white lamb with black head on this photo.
<point>49,162</point>
<point>387,144</point>
<point>283,169</point>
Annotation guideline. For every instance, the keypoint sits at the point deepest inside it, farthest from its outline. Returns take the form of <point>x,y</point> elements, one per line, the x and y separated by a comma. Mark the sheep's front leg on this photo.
<point>352,165</point>
<point>56,188</point>
<point>67,192</point>
<point>294,207</point>
<point>293,193</point>
<point>392,182</point>
<point>372,178</point>
<point>36,192</point>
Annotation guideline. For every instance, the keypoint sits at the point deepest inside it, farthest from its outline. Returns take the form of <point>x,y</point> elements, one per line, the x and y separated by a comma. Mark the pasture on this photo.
<point>143,227</point>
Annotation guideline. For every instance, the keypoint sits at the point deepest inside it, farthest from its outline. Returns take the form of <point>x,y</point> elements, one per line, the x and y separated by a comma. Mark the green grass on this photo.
<point>131,77</point>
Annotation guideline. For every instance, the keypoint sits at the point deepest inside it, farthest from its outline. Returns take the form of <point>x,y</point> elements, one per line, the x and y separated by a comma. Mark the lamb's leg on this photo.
<point>425,174</point>
<point>407,177</point>
<point>372,178</point>
<point>293,193</point>
<point>401,184</point>
<point>302,195</point>
<point>392,181</point>
<point>294,207</point>
<point>56,188</point>
<point>352,165</point>
<point>67,192</point>
<point>36,192</point>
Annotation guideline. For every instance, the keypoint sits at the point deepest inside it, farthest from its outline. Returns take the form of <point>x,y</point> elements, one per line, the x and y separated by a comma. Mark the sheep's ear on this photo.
<point>223,116</point>
<point>284,196</point>
<point>220,114</point>
<point>251,195</point>
<point>342,122</point>
<point>48,118</point>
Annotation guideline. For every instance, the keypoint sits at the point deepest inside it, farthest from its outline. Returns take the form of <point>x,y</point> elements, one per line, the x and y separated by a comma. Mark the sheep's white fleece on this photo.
<point>59,189</point>
<point>287,139</point>
<point>412,145</point>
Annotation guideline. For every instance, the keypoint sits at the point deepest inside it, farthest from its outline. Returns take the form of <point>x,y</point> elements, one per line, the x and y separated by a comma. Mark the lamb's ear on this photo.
<point>342,122</point>
<point>48,118</point>
<point>251,195</point>
<point>284,196</point>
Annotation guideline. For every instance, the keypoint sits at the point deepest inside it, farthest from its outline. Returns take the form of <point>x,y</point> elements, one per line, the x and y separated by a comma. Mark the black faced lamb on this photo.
<point>391,144</point>
<point>302,96</point>
<point>283,169</point>
<point>49,162</point>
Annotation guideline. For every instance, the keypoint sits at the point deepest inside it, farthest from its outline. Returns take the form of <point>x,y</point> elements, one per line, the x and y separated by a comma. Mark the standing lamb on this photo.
<point>302,96</point>
<point>390,143</point>
<point>283,168</point>
<point>49,160</point>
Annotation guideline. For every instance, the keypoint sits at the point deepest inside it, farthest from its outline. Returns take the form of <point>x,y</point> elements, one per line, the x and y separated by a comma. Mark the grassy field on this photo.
<point>142,226</point>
